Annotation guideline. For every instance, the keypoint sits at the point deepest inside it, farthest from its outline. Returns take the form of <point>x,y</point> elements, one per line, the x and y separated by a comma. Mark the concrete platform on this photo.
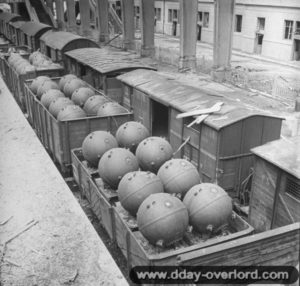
<point>45,237</point>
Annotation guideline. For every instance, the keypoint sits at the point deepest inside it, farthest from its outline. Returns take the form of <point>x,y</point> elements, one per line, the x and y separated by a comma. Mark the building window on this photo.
<point>199,16</point>
<point>173,15</point>
<point>261,24</point>
<point>158,14</point>
<point>288,29</point>
<point>238,23</point>
<point>136,11</point>
<point>206,20</point>
<point>170,16</point>
<point>297,32</point>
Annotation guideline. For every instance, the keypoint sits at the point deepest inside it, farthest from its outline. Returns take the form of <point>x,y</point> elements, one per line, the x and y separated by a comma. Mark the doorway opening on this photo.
<point>296,50</point>
<point>199,30</point>
<point>160,119</point>
<point>258,43</point>
<point>174,28</point>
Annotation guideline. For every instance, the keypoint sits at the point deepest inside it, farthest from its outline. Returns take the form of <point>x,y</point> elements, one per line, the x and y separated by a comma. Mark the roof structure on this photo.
<point>32,28</point>
<point>283,153</point>
<point>106,62</point>
<point>184,98</point>
<point>58,40</point>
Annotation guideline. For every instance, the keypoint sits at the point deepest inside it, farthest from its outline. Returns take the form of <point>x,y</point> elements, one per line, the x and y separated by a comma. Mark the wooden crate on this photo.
<point>16,81</point>
<point>139,252</point>
<point>60,137</point>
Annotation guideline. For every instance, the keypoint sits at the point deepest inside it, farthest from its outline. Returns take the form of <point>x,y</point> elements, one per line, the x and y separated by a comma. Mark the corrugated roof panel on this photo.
<point>284,153</point>
<point>106,62</point>
<point>58,40</point>
<point>184,98</point>
<point>32,28</point>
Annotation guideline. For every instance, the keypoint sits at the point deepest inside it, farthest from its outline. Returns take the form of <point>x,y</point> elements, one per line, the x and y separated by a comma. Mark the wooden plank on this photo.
<point>280,243</point>
<point>262,195</point>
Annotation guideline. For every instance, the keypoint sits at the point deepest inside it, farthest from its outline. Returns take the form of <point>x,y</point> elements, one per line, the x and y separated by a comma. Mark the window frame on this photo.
<point>259,22</point>
<point>158,13</point>
<point>288,34</point>
<point>205,20</point>
<point>238,20</point>
<point>170,15</point>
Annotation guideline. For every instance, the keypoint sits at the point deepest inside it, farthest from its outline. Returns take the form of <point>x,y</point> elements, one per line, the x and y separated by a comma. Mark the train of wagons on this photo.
<point>176,175</point>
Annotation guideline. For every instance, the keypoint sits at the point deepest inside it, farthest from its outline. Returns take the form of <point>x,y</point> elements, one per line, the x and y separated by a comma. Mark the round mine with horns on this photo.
<point>209,206</point>
<point>81,95</point>
<point>162,219</point>
<point>178,176</point>
<point>130,134</point>
<point>37,82</point>
<point>65,79</point>
<point>135,187</point>
<point>111,108</point>
<point>45,86</point>
<point>152,152</point>
<point>58,104</point>
<point>114,164</point>
<point>73,84</point>
<point>50,95</point>
<point>93,103</point>
<point>70,112</point>
<point>96,144</point>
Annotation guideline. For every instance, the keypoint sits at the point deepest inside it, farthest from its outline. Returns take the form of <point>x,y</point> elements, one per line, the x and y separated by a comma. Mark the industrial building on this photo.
<point>260,27</point>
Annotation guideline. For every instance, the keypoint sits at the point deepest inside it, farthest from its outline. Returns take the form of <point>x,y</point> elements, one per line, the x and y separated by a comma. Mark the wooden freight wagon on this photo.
<point>60,137</point>
<point>55,44</point>
<point>275,192</point>
<point>122,227</point>
<point>31,33</point>
<point>16,80</point>
<point>15,32</point>
<point>220,146</point>
<point>5,18</point>
<point>100,67</point>
<point>5,69</point>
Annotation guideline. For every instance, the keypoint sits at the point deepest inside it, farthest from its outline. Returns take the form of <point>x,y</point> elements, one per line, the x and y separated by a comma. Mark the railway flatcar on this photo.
<point>55,44</point>
<point>5,18</point>
<point>15,32</point>
<point>219,144</point>
<point>275,192</point>
<point>31,33</point>
<point>100,67</point>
